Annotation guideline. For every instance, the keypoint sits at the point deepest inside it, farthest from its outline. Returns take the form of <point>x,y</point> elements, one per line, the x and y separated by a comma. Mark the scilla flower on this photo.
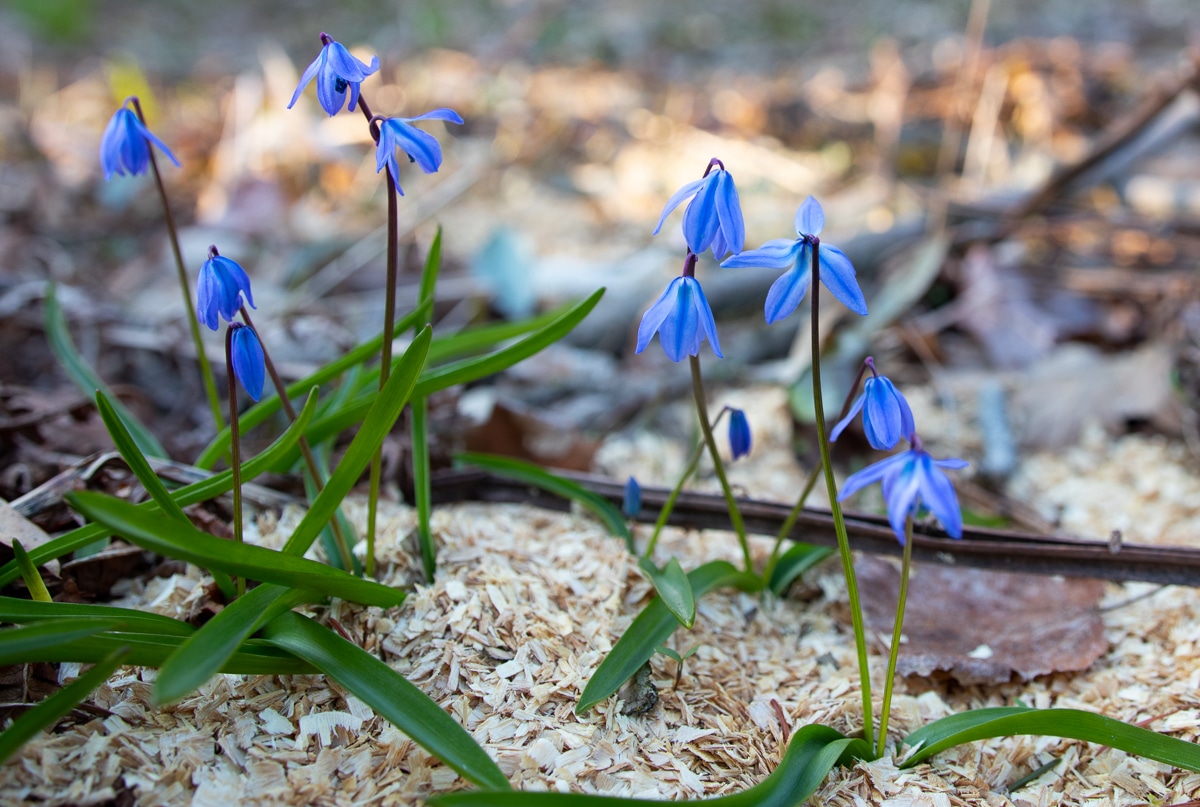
<point>739,433</point>
<point>125,146</point>
<point>713,217</point>
<point>887,417</point>
<point>336,71</point>
<point>837,273</point>
<point>631,504</point>
<point>912,480</point>
<point>220,288</point>
<point>249,364</point>
<point>682,319</point>
<point>421,147</point>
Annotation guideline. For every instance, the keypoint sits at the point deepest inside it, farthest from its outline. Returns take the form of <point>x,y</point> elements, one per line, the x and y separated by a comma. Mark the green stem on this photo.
<point>889,681</point>
<point>235,449</point>
<point>735,515</point>
<point>206,373</point>
<point>839,522</point>
<point>310,461</point>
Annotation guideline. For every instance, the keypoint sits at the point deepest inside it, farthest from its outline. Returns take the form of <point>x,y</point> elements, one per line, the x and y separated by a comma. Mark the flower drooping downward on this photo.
<point>249,363</point>
<point>682,319</point>
<point>887,418</point>
<point>125,146</point>
<point>336,71</point>
<point>713,217</point>
<point>219,289</point>
<point>739,433</point>
<point>631,502</point>
<point>421,147</point>
<point>912,480</point>
<point>837,272</point>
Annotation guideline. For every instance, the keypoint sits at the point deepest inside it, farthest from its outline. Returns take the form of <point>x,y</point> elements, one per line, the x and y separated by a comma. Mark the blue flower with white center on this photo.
<point>713,217</point>
<point>125,145</point>
<point>246,355</point>
<point>739,433</point>
<point>631,504</point>
<point>837,272</point>
<point>912,480</point>
<point>219,289</point>
<point>421,147</point>
<point>336,71</point>
<point>682,319</point>
<point>887,418</point>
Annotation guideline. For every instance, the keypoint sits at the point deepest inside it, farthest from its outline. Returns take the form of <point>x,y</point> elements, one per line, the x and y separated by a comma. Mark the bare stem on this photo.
<point>889,681</point>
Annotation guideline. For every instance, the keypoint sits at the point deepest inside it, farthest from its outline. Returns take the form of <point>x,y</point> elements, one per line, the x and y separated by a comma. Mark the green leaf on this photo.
<point>22,644</point>
<point>539,477</point>
<point>796,561</point>
<point>375,427</point>
<point>48,712</point>
<point>673,587</point>
<point>22,612</point>
<point>482,337</point>
<point>422,490</point>
<point>185,542</point>
<point>85,377</point>
<point>1073,724</point>
<point>812,753</point>
<point>652,627</point>
<point>258,413</point>
<point>429,277</point>
<point>389,694</point>
<point>196,492</point>
<point>207,650</point>
<point>33,579</point>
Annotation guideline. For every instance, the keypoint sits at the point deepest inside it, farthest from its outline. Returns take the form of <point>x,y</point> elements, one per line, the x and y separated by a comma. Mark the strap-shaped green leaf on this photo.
<point>18,645</point>
<point>375,427</point>
<point>812,753</point>
<point>207,650</point>
<point>185,542</point>
<point>651,628</point>
<point>796,561</point>
<point>78,370</point>
<point>33,578</point>
<point>389,694</point>
<point>196,492</point>
<point>673,588</point>
<point>48,712</point>
<point>26,612</point>
<point>539,477</point>
<point>1073,724</point>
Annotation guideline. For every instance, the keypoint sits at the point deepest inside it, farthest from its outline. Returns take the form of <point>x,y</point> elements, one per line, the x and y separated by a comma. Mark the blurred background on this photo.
<point>1018,184</point>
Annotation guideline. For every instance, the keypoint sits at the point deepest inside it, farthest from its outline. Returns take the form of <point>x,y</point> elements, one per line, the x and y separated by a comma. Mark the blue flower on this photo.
<point>837,273</point>
<point>336,71</point>
<point>631,504</point>
<point>125,145</point>
<point>246,356</point>
<point>713,217</point>
<point>739,433</point>
<point>421,147</point>
<point>912,480</point>
<point>887,417</point>
<point>683,320</point>
<point>220,288</point>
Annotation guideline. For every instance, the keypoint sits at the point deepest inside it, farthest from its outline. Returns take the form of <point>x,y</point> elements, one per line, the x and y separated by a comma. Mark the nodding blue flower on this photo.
<point>911,480</point>
<point>219,289</point>
<point>125,146</point>
<point>682,319</point>
<point>887,417</point>
<point>713,217</point>
<point>631,504</point>
<point>421,147</point>
<point>336,71</point>
<point>837,272</point>
<point>739,433</point>
<point>246,356</point>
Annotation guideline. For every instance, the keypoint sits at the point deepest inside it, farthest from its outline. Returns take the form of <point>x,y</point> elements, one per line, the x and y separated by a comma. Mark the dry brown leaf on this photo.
<point>983,626</point>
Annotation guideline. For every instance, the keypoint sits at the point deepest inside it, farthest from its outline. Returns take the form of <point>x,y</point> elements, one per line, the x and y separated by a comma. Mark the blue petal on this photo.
<point>355,88</point>
<point>208,296</point>
<point>631,504</point>
<point>332,99</point>
<point>729,212</point>
<point>844,422</point>
<point>810,218</point>
<point>720,247</point>
<point>837,273</point>
<point>441,113</point>
<point>394,169</point>
<point>246,355</point>
<point>110,145</point>
<point>739,433</point>
<point>937,494</point>
<point>385,148</point>
<point>871,474</point>
<point>149,135</point>
<point>883,421</point>
<point>900,492</point>
<point>787,292</point>
<point>951,463</point>
<point>653,319</point>
<point>347,67</point>
<point>707,323</point>
<point>421,146</point>
<point>700,220</point>
<point>776,254</point>
<point>680,331</point>
<point>309,73</point>
<point>675,201</point>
